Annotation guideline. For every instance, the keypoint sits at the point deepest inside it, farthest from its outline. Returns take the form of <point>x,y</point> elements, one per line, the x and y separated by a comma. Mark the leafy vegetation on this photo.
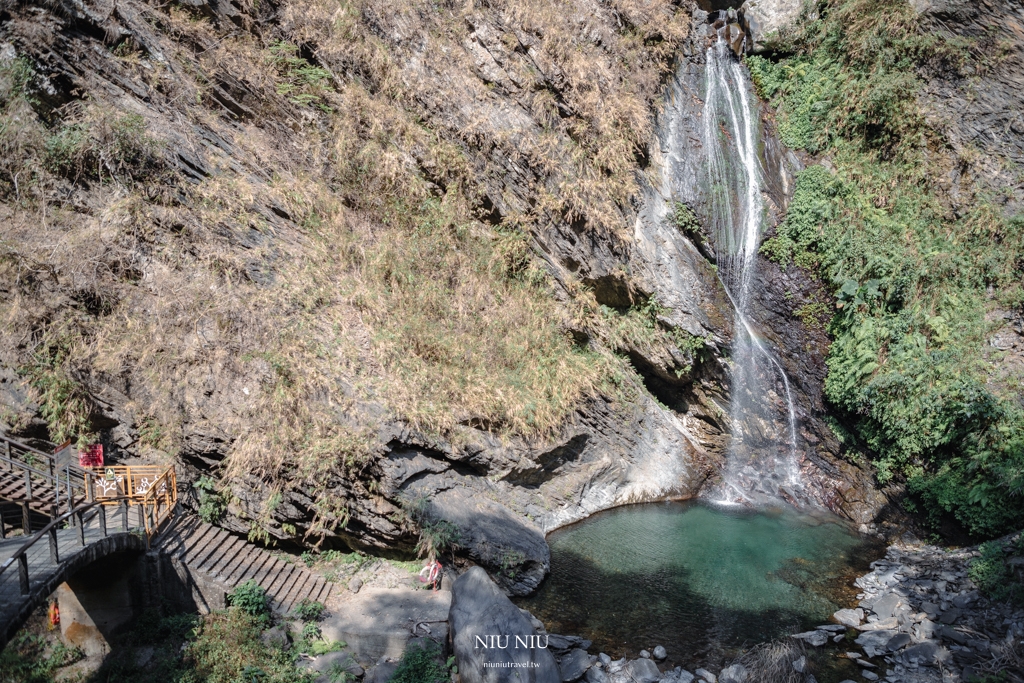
<point>642,326</point>
<point>250,598</point>
<point>301,82</point>
<point>30,658</point>
<point>913,279</point>
<point>310,610</point>
<point>510,561</point>
<point>213,503</point>
<point>422,663</point>
<point>992,574</point>
<point>436,535</point>
<point>96,144</point>
<point>227,649</point>
<point>63,401</point>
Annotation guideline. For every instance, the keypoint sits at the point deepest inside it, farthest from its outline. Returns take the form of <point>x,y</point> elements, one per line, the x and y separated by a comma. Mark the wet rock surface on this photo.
<point>801,348</point>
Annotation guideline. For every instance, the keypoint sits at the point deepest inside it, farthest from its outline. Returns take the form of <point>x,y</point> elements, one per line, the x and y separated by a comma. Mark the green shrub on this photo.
<point>301,82</point>
<point>63,402</point>
<point>436,535</point>
<point>227,649</point>
<point>212,502</point>
<point>95,144</point>
<point>993,577</point>
<point>21,135</point>
<point>908,372</point>
<point>510,561</point>
<point>685,219</point>
<point>310,610</point>
<point>250,598</point>
<point>28,658</point>
<point>421,663</point>
<point>311,633</point>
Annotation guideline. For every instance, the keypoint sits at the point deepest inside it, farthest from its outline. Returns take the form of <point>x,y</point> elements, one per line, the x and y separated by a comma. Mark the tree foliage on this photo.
<point>909,370</point>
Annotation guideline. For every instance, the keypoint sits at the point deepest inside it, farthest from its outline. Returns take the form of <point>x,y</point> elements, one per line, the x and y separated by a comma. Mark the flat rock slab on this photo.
<point>638,671</point>
<point>378,622</point>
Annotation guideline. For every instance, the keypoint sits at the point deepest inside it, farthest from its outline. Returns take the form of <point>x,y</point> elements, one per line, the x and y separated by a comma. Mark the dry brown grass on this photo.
<point>773,662</point>
<point>333,258</point>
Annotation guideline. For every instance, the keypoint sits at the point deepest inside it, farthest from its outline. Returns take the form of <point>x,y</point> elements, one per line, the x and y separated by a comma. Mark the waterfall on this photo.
<point>762,454</point>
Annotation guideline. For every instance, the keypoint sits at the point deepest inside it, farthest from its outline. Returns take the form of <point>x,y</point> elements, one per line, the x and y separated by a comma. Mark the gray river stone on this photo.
<point>849,617</point>
<point>881,625</point>
<point>736,673</point>
<point>898,641</point>
<point>639,671</point>
<point>660,653</point>
<point>707,675</point>
<point>574,664</point>
<point>874,642</point>
<point>886,605</point>
<point>928,653</point>
<point>480,609</point>
<point>815,638</point>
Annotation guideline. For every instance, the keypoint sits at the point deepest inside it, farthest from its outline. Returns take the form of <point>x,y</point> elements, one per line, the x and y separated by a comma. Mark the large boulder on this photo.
<point>493,640</point>
<point>766,20</point>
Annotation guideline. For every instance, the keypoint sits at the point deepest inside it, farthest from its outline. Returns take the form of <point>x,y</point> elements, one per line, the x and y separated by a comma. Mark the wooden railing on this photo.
<point>131,481</point>
<point>159,500</point>
<point>152,488</point>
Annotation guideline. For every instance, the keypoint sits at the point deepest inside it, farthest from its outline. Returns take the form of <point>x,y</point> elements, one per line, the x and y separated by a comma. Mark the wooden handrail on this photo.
<point>163,490</point>
<point>122,480</point>
<point>25,447</point>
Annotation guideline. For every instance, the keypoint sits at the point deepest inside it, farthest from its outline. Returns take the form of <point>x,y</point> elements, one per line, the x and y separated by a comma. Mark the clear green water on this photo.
<point>702,581</point>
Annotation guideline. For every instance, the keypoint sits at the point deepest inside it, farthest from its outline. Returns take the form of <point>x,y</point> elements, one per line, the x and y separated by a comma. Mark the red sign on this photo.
<point>91,456</point>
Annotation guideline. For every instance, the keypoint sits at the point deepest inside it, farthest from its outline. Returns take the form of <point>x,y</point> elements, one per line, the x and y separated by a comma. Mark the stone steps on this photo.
<point>227,560</point>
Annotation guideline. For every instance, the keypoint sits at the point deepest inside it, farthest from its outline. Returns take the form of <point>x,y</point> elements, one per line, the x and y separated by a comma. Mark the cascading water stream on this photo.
<point>762,454</point>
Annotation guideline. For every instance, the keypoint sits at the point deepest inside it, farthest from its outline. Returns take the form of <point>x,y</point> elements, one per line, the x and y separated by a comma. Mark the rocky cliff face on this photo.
<point>167,294</point>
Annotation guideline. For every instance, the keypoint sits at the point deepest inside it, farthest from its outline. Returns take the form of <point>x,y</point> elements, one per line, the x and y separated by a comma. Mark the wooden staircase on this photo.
<point>13,488</point>
<point>34,482</point>
<point>229,560</point>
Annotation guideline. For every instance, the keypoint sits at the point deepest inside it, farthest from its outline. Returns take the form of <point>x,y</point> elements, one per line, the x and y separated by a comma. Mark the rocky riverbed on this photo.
<point>920,619</point>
